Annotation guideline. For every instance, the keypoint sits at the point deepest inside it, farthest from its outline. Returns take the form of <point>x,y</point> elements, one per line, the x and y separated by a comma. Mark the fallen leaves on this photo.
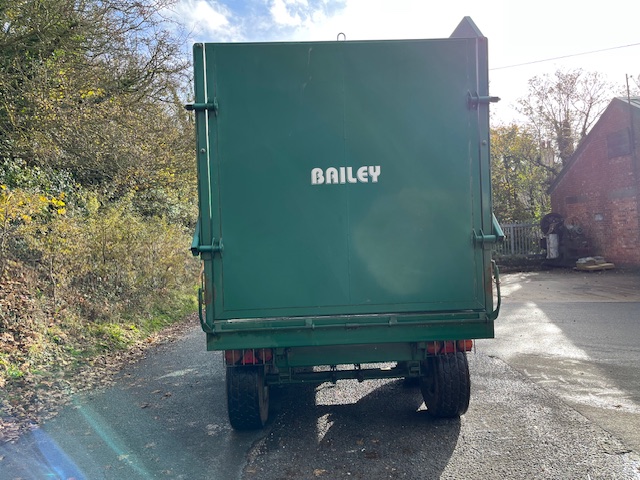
<point>27,401</point>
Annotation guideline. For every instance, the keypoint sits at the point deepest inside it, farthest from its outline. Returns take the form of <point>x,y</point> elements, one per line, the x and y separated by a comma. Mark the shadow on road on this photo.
<point>375,429</point>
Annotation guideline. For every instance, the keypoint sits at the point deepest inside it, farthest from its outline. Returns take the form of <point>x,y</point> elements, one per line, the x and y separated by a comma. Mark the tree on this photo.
<point>97,178</point>
<point>563,107</point>
<point>631,87</point>
<point>518,175</point>
<point>32,36</point>
<point>92,88</point>
<point>68,69</point>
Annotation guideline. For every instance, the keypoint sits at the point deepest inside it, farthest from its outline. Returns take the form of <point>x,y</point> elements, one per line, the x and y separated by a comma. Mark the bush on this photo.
<point>75,282</point>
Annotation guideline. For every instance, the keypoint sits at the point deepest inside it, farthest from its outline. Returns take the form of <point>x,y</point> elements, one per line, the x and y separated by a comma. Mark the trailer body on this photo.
<point>345,204</point>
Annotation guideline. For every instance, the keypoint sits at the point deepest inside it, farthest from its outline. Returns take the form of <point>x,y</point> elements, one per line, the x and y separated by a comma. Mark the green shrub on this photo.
<point>78,282</point>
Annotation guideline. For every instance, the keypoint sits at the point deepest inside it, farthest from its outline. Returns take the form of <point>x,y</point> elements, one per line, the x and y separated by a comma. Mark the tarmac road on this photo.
<point>166,417</point>
<point>578,335</point>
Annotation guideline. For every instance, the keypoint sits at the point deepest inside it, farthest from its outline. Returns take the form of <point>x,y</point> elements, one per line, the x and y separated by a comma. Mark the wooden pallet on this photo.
<point>596,267</point>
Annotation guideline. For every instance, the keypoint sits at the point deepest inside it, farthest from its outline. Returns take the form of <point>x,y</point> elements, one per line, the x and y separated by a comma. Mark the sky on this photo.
<point>518,32</point>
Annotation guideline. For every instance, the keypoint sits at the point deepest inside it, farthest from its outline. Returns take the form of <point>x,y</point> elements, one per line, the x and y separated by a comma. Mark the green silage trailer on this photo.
<point>345,222</point>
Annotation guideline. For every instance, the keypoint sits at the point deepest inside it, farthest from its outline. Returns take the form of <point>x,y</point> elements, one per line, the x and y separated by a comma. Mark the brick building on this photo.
<point>599,188</point>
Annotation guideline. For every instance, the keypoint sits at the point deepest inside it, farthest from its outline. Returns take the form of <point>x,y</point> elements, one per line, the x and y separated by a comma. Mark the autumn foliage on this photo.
<point>97,181</point>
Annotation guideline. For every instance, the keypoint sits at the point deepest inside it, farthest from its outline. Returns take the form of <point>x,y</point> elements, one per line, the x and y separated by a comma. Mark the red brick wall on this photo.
<point>601,194</point>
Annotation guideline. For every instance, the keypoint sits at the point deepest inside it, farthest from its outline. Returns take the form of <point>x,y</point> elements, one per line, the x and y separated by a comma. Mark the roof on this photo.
<point>633,101</point>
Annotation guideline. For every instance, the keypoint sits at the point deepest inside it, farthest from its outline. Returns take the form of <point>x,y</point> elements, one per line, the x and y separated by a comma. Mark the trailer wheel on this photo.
<point>446,387</point>
<point>247,397</point>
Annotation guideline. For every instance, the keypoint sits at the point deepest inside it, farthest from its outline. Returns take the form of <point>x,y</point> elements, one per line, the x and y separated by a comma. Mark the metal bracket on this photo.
<point>200,107</point>
<point>473,100</point>
<point>479,237</point>
<point>197,249</point>
<point>358,372</point>
<point>496,277</point>
<point>215,247</point>
<point>201,311</point>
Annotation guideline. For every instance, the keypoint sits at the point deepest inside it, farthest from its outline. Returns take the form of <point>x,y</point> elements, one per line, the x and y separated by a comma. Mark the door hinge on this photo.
<point>482,239</point>
<point>473,100</point>
<point>215,247</point>
<point>199,107</point>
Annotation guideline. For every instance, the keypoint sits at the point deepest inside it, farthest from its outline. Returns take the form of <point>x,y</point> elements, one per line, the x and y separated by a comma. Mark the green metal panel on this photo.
<point>296,332</point>
<point>402,129</point>
<point>348,354</point>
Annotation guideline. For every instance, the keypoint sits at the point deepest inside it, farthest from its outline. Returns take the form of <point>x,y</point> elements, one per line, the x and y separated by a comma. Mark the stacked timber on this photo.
<point>591,264</point>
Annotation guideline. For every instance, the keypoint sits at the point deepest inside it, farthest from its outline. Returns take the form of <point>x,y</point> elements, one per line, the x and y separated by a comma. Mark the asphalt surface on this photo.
<point>547,395</point>
<point>165,418</point>
<point>577,335</point>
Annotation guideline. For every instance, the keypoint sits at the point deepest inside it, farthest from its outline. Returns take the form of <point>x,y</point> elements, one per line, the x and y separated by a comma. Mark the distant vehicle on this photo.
<point>345,214</point>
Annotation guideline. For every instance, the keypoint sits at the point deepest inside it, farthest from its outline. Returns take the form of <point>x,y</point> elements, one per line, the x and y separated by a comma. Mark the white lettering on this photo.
<point>332,175</point>
<point>343,178</point>
<point>363,174</point>
<point>374,173</point>
<point>342,175</point>
<point>317,176</point>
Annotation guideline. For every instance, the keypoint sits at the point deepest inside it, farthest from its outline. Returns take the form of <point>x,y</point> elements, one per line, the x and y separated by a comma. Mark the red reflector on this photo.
<point>433,348</point>
<point>249,358</point>
<point>465,345</point>
<point>449,347</point>
<point>232,357</point>
<point>265,355</point>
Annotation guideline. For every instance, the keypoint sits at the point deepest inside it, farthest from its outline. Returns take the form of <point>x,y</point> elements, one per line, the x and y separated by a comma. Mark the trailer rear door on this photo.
<point>345,177</point>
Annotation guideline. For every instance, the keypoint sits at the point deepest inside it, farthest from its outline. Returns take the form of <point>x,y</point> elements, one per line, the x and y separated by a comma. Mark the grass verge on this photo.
<point>44,359</point>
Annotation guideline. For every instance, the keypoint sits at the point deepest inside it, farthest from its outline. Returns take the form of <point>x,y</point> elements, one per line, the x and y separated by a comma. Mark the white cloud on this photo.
<point>516,34</point>
<point>299,14</point>
<point>207,20</point>
<point>380,19</point>
<point>282,15</point>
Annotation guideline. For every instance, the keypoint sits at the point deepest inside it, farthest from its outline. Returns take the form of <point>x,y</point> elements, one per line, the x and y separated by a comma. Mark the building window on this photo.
<point>618,144</point>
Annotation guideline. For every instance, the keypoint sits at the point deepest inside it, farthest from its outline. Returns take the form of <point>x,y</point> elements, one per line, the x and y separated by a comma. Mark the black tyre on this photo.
<point>247,397</point>
<point>446,387</point>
